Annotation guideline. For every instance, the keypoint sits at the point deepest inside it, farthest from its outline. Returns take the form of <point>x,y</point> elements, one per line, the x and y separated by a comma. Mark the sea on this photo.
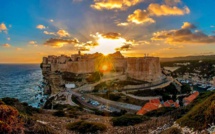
<point>24,82</point>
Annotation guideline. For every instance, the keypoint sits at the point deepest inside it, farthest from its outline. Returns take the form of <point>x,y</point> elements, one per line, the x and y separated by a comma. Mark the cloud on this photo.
<point>145,16</point>
<point>114,4</point>
<point>57,43</point>
<point>63,33</point>
<point>172,2</point>
<point>32,42</point>
<point>40,27</point>
<point>18,49</point>
<point>188,25</point>
<point>125,47</point>
<point>51,20</point>
<point>165,10</point>
<point>111,35</point>
<point>122,24</point>
<point>3,27</point>
<point>8,38</point>
<point>49,33</point>
<point>185,35</point>
<point>140,17</point>
<point>6,45</point>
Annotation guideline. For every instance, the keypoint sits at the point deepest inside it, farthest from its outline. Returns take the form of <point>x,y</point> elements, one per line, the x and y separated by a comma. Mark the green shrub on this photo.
<point>126,120</point>
<point>86,127</point>
<point>172,130</point>
<point>59,113</point>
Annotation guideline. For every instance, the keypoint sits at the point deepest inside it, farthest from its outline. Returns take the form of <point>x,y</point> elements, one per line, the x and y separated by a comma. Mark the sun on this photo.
<point>104,68</point>
<point>107,45</point>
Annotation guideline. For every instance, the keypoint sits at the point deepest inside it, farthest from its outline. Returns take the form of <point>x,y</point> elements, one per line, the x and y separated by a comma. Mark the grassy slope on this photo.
<point>201,114</point>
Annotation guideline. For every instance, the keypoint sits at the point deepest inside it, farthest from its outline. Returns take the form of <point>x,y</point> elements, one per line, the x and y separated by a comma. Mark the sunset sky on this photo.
<point>32,29</point>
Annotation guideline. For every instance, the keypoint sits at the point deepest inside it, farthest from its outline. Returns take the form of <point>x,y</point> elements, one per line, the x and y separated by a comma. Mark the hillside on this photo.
<point>201,114</point>
<point>188,58</point>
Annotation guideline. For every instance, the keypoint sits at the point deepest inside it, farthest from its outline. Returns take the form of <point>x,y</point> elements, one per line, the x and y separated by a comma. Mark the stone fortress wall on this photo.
<point>144,68</point>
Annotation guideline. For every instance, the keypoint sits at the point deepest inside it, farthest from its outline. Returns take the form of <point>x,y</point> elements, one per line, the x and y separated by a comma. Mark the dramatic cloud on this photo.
<point>49,33</point>
<point>18,49</point>
<point>145,16</point>
<point>57,43</point>
<point>184,36</point>
<point>114,4</point>
<point>6,45</point>
<point>111,42</point>
<point>3,27</point>
<point>140,16</point>
<point>165,10</point>
<point>62,33</point>
<point>188,25</point>
<point>111,35</point>
<point>125,47</point>
<point>40,27</point>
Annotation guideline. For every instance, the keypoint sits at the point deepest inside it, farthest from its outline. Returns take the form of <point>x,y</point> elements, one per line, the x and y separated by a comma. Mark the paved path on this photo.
<point>141,98</point>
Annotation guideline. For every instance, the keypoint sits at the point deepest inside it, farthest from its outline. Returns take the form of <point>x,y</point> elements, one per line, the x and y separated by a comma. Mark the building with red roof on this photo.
<point>189,99</point>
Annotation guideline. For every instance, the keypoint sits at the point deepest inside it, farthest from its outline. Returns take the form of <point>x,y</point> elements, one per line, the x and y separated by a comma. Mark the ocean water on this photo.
<point>24,82</point>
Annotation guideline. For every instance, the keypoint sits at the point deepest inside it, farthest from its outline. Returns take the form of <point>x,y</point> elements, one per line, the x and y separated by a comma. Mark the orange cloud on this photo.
<point>188,25</point>
<point>49,33</point>
<point>145,16</point>
<point>57,43</point>
<point>63,33</point>
<point>184,36</point>
<point>114,4</point>
<point>3,27</point>
<point>40,27</point>
<point>140,16</point>
<point>165,10</point>
<point>6,45</point>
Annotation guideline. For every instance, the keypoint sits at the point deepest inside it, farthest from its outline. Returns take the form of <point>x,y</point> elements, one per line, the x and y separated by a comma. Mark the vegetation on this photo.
<point>172,130</point>
<point>185,88</point>
<point>127,120</point>
<point>21,107</point>
<point>164,92</point>
<point>94,77</point>
<point>10,122</point>
<point>160,112</point>
<point>68,76</point>
<point>201,114</point>
<point>59,113</point>
<point>40,128</point>
<point>86,127</point>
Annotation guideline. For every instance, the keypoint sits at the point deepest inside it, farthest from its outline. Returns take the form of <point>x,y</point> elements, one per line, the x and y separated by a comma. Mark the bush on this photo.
<point>40,128</point>
<point>185,88</point>
<point>114,97</point>
<point>59,113</point>
<point>160,112</point>
<point>10,122</point>
<point>21,107</point>
<point>86,127</point>
<point>172,130</point>
<point>127,120</point>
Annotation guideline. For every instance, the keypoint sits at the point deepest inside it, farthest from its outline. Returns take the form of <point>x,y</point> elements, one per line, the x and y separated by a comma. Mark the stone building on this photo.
<point>144,68</point>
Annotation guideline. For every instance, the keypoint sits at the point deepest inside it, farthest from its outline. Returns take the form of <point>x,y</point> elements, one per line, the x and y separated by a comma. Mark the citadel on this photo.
<point>144,68</point>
